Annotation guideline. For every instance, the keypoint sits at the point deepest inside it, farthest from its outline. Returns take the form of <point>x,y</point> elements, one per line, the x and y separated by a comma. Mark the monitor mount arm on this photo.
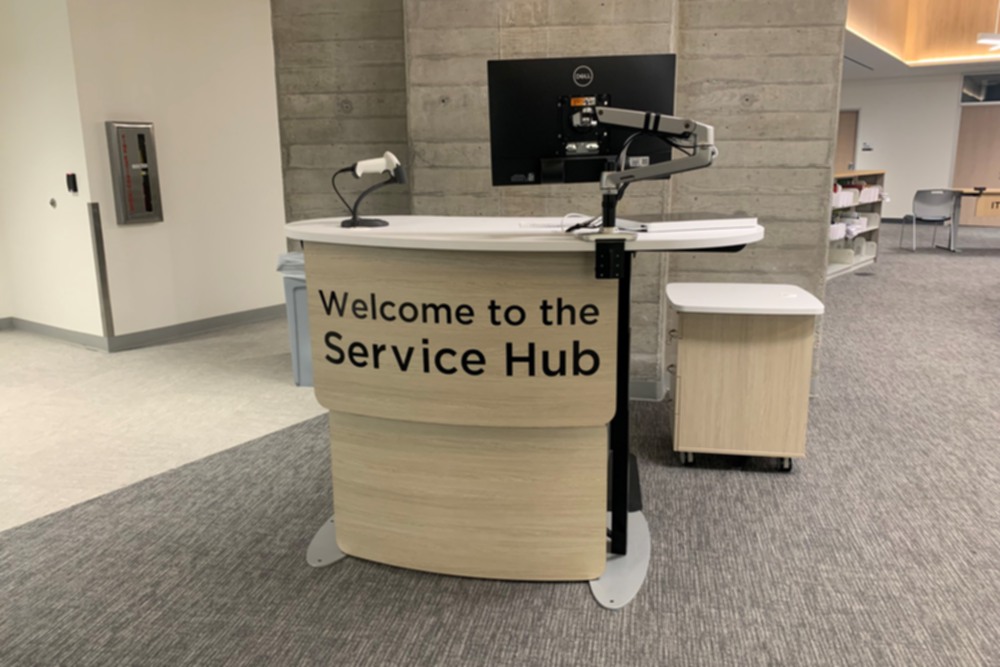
<point>697,137</point>
<point>613,262</point>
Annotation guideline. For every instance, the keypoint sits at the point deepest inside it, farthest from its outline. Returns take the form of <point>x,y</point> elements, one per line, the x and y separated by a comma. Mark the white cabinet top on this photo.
<point>742,299</point>
<point>514,234</point>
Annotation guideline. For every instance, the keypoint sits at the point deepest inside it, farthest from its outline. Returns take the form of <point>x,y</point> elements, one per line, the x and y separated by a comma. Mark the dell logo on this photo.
<point>583,76</point>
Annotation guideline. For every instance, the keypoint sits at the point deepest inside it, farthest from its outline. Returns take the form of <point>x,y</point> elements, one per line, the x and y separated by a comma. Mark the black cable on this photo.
<point>333,182</point>
<point>581,225</point>
<point>686,150</point>
<point>357,202</point>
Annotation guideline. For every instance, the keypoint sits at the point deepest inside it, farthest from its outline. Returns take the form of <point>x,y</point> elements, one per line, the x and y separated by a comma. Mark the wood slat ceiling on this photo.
<point>926,32</point>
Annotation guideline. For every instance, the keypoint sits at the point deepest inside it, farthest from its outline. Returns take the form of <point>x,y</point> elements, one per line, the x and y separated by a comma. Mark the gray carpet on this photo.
<point>881,548</point>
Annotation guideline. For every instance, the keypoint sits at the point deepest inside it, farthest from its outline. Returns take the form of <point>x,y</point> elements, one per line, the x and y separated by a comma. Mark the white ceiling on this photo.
<point>864,60</point>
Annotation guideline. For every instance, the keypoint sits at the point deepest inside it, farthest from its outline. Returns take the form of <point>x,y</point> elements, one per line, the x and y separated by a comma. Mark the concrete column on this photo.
<point>357,77</point>
<point>447,46</point>
<point>767,76</point>
<point>341,98</point>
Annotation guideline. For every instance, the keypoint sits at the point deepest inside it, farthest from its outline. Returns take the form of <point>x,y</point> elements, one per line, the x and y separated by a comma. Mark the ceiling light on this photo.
<point>992,38</point>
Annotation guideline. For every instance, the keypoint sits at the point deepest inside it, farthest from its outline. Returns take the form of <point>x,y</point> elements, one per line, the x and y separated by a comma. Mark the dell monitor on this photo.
<point>543,120</point>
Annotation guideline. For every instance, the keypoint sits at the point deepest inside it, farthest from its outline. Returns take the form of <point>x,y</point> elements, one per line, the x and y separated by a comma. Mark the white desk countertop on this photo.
<point>742,299</point>
<point>495,234</point>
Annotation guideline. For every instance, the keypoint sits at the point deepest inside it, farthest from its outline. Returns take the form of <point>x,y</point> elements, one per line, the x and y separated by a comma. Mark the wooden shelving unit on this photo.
<point>843,256</point>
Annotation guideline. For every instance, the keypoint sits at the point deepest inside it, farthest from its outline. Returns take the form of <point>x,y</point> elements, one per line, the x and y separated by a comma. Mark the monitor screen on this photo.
<point>543,125</point>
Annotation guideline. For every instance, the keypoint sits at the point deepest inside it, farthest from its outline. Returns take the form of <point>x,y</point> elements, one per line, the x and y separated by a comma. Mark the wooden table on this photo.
<point>991,196</point>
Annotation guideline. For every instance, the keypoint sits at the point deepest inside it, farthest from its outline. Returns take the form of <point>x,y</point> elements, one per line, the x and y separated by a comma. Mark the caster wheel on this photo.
<point>687,458</point>
<point>786,465</point>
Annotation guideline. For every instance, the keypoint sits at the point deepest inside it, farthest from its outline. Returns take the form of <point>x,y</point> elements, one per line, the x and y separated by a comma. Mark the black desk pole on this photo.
<point>618,432</point>
<point>613,262</point>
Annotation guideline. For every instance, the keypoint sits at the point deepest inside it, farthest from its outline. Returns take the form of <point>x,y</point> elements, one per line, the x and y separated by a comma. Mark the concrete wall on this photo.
<point>912,126</point>
<point>342,98</point>
<point>447,52</point>
<point>448,45</point>
<point>47,273</point>
<point>203,73</point>
<point>6,283</point>
<point>767,76</point>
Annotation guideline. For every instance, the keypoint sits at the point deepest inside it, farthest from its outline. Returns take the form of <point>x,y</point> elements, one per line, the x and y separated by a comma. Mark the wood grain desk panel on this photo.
<point>977,161</point>
<point>743,384</point>
<point>492,398</point>
<point>972,214</point>
<point>503,503</point>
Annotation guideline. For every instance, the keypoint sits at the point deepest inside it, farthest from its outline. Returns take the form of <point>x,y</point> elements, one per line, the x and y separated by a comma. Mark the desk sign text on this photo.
<point>571,357</point>
<point>988,206</point>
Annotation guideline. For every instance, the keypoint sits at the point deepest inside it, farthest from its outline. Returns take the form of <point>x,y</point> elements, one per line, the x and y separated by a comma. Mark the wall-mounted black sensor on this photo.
<point>71,183</point>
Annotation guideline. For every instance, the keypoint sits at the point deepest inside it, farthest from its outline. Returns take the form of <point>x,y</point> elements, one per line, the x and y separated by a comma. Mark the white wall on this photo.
<point>912,125</point>
<point>47,273</point>
<point>6,285</point>
<point>203,72</point>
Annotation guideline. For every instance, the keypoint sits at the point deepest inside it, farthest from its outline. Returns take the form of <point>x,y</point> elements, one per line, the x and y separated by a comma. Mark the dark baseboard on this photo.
<point>86,340</point>
<point>907,221</point>
<point>151,337</point>
<point>187,329</point>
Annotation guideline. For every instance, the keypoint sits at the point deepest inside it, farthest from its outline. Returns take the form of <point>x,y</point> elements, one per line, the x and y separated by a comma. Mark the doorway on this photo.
<point>847,142</point>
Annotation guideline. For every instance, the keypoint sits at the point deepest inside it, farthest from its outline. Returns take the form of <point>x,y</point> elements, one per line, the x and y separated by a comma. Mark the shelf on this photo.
<point>867,237</point>
<point>861,233</point>
<point>857,174</point>
<point>868,229</point>
<point>834,270</point>
<point>867,203</point>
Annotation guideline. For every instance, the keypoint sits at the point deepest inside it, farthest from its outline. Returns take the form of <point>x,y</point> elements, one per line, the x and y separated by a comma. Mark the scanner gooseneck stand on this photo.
<point>387,164</point>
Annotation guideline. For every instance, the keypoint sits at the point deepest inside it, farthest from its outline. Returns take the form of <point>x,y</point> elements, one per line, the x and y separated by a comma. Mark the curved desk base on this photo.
<point>323,549</point>
<point>624,575</point>
<point>620,583</point>
<point>496,503</point>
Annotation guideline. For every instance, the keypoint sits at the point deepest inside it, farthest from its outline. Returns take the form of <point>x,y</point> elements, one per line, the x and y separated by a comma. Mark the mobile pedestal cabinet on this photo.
<point>744,365</point>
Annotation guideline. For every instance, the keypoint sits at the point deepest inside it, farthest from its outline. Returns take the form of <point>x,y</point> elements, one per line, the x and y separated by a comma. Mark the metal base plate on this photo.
<point>323,549</point>
<point>624,575</point>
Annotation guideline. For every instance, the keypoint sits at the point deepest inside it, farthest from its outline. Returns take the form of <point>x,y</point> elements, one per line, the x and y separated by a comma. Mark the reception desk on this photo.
<point>471,367</point>
<point>985,213</point>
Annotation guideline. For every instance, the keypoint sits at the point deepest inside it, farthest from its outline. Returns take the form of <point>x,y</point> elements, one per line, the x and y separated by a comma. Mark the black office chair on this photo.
<point>933,206</point>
